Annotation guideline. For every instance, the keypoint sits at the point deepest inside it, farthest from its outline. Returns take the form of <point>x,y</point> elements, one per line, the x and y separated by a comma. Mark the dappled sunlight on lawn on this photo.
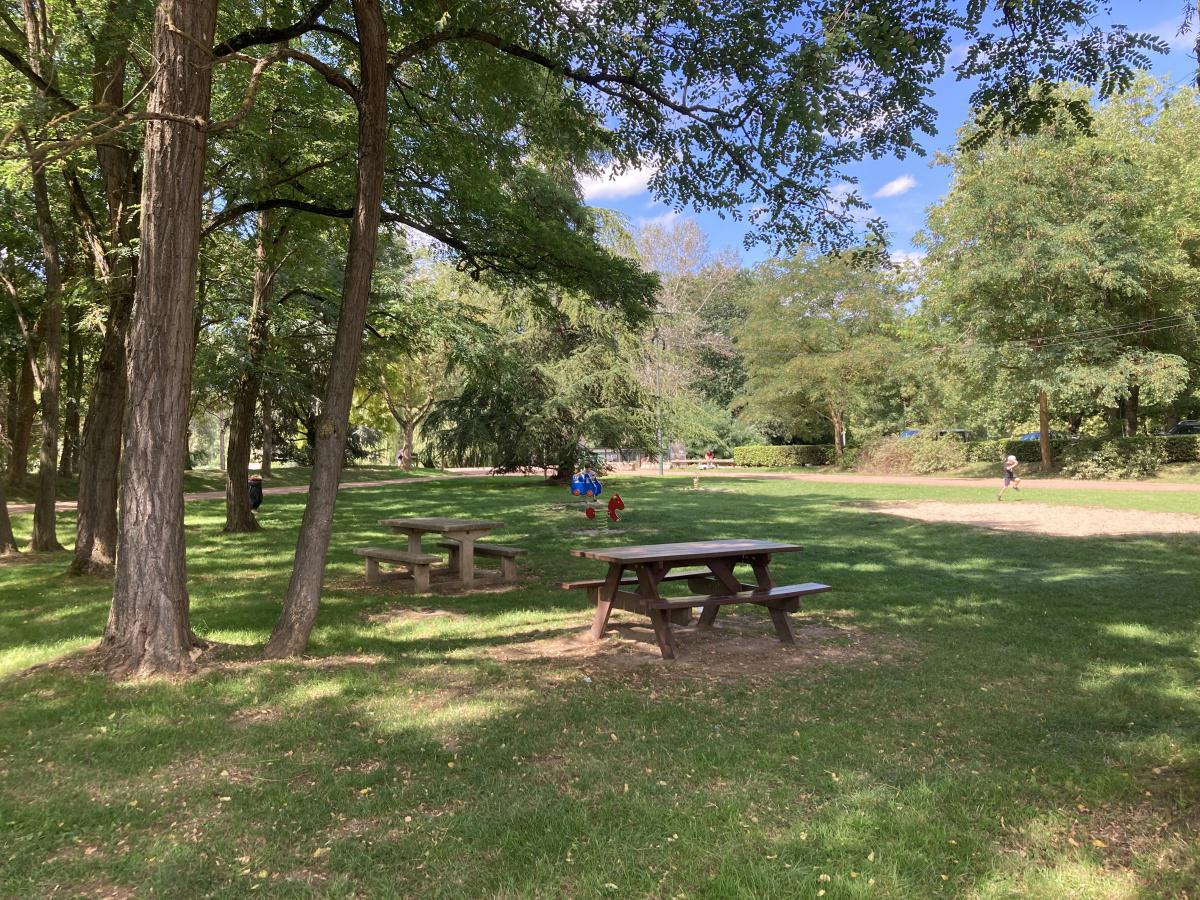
<point>948,709</point>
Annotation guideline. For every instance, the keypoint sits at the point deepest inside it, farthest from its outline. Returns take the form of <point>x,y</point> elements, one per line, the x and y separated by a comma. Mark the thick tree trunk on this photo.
<point>21,426</point>
<point>8,543</point>
<point>1130,412</point>
<point>45,534</point>
<point>148,630</point>
<point>68,460</point>
<point>406,452</point>
<point>100,453</point>
<point>238,515</point>
<point>304,590</point>
<point>100,450</point>
<point>268,436</point>
<point>839,432</point>
<point>1044,431</point>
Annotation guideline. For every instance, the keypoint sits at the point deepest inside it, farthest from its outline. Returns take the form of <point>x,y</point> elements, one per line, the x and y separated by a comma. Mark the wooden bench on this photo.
<point>779,601</point>
<point>419,564</point>
<point>593,585</point>
<point>506,555</point>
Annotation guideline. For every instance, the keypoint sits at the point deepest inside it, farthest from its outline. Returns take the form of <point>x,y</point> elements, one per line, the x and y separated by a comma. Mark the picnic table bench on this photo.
<point>716,584</point>
<point>460,537</point>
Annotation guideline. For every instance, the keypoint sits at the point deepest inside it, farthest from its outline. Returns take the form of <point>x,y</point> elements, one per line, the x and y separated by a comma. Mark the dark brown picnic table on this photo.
<point>712,577</point>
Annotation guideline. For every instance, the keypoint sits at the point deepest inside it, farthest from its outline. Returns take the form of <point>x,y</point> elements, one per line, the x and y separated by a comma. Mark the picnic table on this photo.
<point>461,538</point>
<point>711,574</point>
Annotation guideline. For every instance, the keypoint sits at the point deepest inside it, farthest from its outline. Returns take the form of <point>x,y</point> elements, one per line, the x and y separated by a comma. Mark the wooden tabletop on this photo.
<point>443,526</point>
<point>692,550</point>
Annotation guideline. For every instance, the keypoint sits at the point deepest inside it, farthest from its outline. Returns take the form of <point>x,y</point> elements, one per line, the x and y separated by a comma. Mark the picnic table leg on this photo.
<point>783,625</point>
<point>648,581</point>
<point>723,572</point>
<point>662,632</point>
<point>604,600</point>
<point>414,542</point>
<point>466,560</point>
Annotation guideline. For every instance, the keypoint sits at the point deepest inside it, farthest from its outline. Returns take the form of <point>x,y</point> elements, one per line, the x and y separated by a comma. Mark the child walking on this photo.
<point>1010,477</point>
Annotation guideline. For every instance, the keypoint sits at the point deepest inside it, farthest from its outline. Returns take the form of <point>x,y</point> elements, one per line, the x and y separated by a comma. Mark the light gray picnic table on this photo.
<point>465,531</point>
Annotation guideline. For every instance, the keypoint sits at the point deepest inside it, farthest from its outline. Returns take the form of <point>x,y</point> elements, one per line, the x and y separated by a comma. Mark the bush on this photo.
<point>1174,448</point>
<point>1024,451</point>
<point>1120,458</point>
<point>936,455</point>
<point>913,455</point>
<point>784,455</point>
<point>1181,447</point>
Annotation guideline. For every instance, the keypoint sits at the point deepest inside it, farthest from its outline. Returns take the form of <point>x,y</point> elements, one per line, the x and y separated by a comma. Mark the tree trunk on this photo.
<point>1130,410</point>
<point>268,436</point>
<point>1044,431</point>
<point>45,534</point>
<point>238,515</point>
<point>68,459</point>
<point>406,452</point>
<point>1073,423</point>
<point>8,543</point>
<point>148,630</point>
<point>304,590</point>
<point>21,426</point>
<point>839,433</point>
<point>100,450</point>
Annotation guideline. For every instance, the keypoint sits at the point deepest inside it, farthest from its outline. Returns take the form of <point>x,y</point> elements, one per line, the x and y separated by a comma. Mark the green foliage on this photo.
<point>819,342</point>
<point>1025,451</point>
<point>779,456</point>
<point>914,455</point>
<point>1128,458</point>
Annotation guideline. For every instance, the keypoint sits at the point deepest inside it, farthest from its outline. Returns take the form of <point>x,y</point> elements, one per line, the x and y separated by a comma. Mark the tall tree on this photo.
<point>820,341</point>
<point>148,629</point>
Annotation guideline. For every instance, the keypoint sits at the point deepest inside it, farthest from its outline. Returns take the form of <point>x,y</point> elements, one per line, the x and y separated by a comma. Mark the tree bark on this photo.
<point>68,456</point>
<point>100,450</point>
<point>1044,431</point>
<point>8,543</point>
<point>268,436</point>
<point>839,434</point>
<point>1130,410</point>
<point>1073,423</point>
<point>406,452</point>
<point>300,606</point>
<point>148,630</point>
<point>239,517</point>
<point>21,426</point>
<point>45,534</point>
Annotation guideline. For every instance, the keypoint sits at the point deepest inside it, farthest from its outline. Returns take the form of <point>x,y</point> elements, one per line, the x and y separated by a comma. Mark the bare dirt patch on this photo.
<point>1042,518</point>
<point>739,646</point>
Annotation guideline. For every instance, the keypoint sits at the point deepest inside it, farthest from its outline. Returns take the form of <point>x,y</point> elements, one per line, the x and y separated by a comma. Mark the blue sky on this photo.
<point>899,190</point>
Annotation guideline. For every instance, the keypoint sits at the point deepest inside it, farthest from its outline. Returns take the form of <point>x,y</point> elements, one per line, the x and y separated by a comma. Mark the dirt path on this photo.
<point>1042,518</point>
<point>932,481</point>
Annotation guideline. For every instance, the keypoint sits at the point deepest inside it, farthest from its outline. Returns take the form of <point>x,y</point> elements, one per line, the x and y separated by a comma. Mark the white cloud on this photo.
<point>1168,30</point>
<point>607,186</point>
<point>663,220</point>
<point>896,187</point>
<point>908,257</point>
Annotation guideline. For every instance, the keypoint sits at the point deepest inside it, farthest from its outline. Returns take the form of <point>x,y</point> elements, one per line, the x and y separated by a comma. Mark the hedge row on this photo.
<point>781,456</point>
<point>1175,448</point>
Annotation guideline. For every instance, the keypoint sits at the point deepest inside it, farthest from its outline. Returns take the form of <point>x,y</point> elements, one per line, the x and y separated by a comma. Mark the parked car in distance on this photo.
<point>1187,426</point>
<point>1054,436</point>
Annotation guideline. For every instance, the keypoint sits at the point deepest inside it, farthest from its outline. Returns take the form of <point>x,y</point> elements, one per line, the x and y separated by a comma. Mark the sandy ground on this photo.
<point>1043,518</point>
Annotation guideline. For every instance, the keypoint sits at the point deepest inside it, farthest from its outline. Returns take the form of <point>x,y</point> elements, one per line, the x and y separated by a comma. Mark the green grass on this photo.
<point>201,480</point>
<point>1025,720</point>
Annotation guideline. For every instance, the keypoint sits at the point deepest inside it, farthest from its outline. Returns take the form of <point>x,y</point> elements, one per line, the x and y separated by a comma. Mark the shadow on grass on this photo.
<point>1048,688</point>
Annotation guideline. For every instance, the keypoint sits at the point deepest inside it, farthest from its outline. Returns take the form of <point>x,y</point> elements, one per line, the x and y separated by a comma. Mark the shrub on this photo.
<point>1181,447</point>
<point>937,455</point>
<point>1120,458</point>
<point>782,455</point>
<point>886,456</point>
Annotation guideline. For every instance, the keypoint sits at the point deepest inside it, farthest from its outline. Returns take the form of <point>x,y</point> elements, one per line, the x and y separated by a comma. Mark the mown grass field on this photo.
<point>1013,715</point>
<point>201,480</point>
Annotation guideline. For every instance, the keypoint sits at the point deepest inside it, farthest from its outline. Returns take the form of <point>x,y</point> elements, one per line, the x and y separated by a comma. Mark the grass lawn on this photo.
<point>200,480</point>
<point>1020,716</point>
